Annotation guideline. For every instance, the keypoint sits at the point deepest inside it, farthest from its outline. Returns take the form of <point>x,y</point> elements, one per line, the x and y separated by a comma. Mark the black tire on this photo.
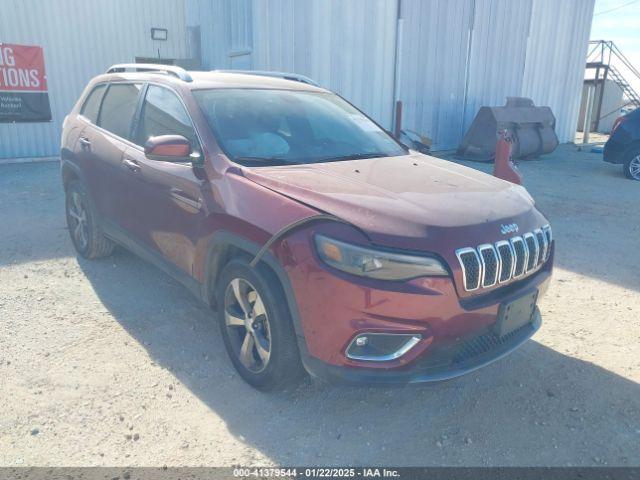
<point>92,243</point>
<point>632,164</point>
<point>283,367</point>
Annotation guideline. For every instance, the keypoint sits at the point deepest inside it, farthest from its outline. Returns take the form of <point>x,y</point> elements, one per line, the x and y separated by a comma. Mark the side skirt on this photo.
<point>121,237</point>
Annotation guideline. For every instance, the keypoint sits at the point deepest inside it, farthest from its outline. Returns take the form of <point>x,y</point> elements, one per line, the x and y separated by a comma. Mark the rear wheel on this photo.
<point>256,327</point>
<point>83,226</point>
<point>632,165</point>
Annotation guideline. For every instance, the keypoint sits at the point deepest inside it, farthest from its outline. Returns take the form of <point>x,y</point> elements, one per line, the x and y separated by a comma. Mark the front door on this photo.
<point>165,199</point>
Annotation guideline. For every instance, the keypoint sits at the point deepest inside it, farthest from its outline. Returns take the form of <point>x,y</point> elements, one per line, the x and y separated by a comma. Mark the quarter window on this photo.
<point>91,105</point>
<point>164,114</point>
<point>118,108</point>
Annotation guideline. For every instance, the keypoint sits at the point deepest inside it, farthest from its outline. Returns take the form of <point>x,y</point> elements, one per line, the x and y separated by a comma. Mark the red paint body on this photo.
<point>412,202</point>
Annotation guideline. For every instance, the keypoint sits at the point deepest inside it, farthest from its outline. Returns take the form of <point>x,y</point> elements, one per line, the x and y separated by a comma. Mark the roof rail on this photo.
<point>296,77</point>
<point>177,72</point>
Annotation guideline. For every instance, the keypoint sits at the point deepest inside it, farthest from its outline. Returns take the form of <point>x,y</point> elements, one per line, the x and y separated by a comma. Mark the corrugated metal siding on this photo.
<point>80,40</point>
<point>457,54</point>
<point>226,30</point>
<point>556,54</point>
<point>433,67</point>
<point>211,16</point>
<point>498,52</point>
<point>240,25</point>
<point>345,45</point>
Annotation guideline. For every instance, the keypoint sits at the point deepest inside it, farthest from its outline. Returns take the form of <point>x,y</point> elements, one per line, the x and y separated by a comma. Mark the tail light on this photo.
<point>617,123</point>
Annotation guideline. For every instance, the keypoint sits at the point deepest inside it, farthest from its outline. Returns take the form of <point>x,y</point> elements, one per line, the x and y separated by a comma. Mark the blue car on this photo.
<point>623,146</point>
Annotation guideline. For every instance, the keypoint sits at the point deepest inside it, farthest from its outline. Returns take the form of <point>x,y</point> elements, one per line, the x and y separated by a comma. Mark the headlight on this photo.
<point>378,264</point>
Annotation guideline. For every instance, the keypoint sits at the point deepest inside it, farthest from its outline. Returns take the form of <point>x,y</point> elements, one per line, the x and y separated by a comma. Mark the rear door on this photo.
<point>88,116</point>
<point>166,208</point>
<point>86,141</point>
<point>102,144</point>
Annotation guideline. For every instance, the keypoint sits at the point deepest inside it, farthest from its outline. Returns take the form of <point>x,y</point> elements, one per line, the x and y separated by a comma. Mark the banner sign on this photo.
<point>23,84</point>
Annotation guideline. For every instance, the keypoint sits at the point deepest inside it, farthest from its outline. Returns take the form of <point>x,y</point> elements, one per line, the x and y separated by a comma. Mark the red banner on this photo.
<point>23,84</point>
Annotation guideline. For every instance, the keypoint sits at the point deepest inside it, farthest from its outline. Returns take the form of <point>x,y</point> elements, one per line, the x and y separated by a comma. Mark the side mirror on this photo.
<point>171,148</point>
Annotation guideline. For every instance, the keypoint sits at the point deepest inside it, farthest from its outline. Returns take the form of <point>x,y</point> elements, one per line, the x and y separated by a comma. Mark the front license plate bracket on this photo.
<point>515,314</point>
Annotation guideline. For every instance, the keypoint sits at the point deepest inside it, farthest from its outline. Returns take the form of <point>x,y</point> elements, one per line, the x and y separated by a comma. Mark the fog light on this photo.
<point>381,347</point>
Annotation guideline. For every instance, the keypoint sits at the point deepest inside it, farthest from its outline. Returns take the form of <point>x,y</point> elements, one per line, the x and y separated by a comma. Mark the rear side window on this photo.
<point>164,114</point>
<point>91,105</point>
<point>118,108</point>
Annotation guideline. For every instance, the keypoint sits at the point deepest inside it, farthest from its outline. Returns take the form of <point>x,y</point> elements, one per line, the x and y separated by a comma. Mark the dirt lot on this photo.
<point>113,363</point>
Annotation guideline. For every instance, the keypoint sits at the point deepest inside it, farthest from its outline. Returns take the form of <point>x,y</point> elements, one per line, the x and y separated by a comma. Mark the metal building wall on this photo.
<point>81,39</point>
<point>498,53</point>
<point>226,31</point>
<point>556,54</point>
<point>432,75</point>
<point>456,55</point>
<point>459,55</point>
<point>345,45</point>
<point>210,15</point>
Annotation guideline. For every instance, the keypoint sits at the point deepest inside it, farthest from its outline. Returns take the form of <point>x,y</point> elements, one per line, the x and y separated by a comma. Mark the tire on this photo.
<point>261,344</point>
<point>632,164</point>
<point>82,222</point>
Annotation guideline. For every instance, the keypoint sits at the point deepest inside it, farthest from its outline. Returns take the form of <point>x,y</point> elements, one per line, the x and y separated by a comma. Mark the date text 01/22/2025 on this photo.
<point>316,472</point>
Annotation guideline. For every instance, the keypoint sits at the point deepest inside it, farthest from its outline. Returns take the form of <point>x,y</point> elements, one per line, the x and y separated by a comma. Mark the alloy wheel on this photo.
<point>247,325</point>
<point>634,167</point>
<point>79,225</point>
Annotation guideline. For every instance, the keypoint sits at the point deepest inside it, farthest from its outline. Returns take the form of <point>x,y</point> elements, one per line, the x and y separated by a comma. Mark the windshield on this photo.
<point>276,127</point>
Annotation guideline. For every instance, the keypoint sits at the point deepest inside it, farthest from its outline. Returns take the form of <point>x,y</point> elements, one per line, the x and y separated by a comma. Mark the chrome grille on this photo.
<point>522,256</point>
<point>549,236</point>
<point>489,261</point>
<point>532,246</point>
<point>471,268</point>
<point>488,264</point>
<point>542,243</point>
<point>505,259</point>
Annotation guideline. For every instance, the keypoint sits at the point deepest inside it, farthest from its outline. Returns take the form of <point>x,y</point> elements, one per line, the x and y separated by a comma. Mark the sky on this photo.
<point>619,20</point>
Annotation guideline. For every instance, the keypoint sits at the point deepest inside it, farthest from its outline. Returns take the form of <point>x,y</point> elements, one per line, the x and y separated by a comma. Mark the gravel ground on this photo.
<point>111,362</point>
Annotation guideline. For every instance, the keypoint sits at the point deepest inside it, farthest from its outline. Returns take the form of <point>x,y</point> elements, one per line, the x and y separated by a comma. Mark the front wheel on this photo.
<point>632,165</point>
<point>256,327</point>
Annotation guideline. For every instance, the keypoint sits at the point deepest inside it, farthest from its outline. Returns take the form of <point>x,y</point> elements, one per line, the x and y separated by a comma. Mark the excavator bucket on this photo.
<point>532,131</point>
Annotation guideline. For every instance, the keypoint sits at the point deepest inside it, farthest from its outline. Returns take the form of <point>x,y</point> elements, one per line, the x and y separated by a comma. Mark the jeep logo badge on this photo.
<point>511,228</point>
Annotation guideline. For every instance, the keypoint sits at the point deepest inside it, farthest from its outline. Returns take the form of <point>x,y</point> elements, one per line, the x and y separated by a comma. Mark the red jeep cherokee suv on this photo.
<point>321,242</point>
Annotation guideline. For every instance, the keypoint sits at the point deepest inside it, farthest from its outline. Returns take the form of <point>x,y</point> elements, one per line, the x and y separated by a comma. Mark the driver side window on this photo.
<point>164,114</point>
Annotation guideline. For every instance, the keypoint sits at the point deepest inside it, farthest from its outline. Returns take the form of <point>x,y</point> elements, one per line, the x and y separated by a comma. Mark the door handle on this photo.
<point>181,196</point>
<point>131,164</point>
<point>85,142</point>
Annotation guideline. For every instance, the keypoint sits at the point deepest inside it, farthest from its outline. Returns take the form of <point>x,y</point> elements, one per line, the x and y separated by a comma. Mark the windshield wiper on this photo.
<point>353,156</point>
<point>266,160</point>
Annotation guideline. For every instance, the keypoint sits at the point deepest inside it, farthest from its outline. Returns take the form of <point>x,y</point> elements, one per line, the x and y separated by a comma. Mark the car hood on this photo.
<point>406,200</point>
